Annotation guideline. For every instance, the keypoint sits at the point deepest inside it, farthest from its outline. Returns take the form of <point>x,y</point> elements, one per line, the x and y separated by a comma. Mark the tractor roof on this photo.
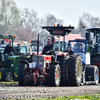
<point>93,28</point>
<point>78,40</point>
<point>58,30</point>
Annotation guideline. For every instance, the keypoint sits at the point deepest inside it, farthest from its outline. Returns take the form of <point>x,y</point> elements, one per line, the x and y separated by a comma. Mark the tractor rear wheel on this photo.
<point>2,74</point>
<point>62,62</point>
<point>96,61</point>
<point>55,75</point>
<point>74,70</point>
<point>64,73</point>
<point>92,74</point>
<point>21,74</point>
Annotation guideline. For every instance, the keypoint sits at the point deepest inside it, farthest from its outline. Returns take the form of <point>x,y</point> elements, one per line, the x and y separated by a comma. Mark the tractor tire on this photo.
<point>55,75</point>
<point>64,73</point>
<point>83,81</point>
<point>15,78</point>
<point>62,62</point>
<point>21,74</point>
<point>92,74</point>
<point>2,74</point>
<point>74,70</point>
<point>96,61</point>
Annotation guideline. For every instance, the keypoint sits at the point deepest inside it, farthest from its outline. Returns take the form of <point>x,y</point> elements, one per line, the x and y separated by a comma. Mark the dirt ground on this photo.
<point>13,91</point>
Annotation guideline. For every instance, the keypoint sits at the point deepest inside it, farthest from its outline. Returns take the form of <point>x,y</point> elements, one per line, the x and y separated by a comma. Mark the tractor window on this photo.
<point>78,47</point>
<point>56,46</point>
<point>62,47</point>
<point>23,50</point>
<point>34,48</point>
<point>91,37</point>
<point>98,39</point>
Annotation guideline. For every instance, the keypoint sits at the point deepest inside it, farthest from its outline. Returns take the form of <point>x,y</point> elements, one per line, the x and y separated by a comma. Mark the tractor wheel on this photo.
<point>15,77</point>
<point>62,62</point>
<point>83,81</point>
<point>92,74</point>
<point>21,74</point>
<point>2,74</point>
<point>55,75</point>
<point>96,61</point>
<point>74,70</point>
<point>64,73</point>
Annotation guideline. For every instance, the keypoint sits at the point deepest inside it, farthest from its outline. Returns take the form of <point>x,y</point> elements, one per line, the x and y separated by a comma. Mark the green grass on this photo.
<point>84,97</point>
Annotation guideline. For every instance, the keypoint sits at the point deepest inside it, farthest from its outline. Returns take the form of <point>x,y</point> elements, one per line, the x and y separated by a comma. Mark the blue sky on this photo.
<point>67,10</point>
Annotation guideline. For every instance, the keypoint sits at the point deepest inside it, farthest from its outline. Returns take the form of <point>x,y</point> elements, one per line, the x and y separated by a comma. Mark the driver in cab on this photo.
<point>48,49</point>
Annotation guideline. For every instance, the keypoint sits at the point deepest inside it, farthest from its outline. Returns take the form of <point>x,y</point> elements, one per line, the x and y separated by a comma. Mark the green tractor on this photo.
<point>9,68</point>
<point>93,39</point>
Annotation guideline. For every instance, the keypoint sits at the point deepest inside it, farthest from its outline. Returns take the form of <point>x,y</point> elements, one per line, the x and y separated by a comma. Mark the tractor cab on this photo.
<point>93,39</point>
<point>79,47</point>
<point>59,31</point>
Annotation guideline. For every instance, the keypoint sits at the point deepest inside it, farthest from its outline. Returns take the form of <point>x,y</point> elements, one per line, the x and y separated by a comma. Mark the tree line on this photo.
<point>26,24</point>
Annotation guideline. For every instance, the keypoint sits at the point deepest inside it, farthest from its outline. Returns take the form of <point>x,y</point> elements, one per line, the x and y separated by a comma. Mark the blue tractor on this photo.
<point>90,73</point>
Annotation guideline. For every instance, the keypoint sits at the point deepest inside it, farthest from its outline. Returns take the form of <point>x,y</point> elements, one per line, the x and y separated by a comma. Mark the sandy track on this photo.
<point>15,92</point>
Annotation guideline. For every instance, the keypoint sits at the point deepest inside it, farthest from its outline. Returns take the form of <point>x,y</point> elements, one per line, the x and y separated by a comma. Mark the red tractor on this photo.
<point>57,69</point>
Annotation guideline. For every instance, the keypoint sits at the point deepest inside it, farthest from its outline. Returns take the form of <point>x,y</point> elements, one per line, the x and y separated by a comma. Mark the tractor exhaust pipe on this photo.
<point>38,45</point>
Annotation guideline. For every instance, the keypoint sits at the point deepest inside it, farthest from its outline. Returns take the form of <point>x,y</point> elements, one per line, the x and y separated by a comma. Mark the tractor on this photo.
<point>9,68</point>
<point>60,68</point>
<point>93,40</point>
<point>90,73</point>
<point>51,69</point>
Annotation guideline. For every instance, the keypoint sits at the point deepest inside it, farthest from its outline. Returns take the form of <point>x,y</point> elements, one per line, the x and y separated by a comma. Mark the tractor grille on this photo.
<point>38,60</point>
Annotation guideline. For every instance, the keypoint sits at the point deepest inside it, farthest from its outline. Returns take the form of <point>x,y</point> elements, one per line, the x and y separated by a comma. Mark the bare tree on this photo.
<point>29,18</point>
<point>9,16</point>
<point>90,20</point>
<point>50,20</point>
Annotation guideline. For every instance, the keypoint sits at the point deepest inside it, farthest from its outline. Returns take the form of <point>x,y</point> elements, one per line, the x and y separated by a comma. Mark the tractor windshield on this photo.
<point>23,50</point>
<point>78,47</point>
<point>56,46</point>
<point>34,48</point>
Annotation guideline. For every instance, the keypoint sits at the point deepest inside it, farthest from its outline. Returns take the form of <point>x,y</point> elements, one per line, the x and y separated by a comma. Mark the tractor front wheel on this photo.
<point>92,74</point>
<point>55,74</point>
<point>2,74</point>
<point>21,74</point>
<point>96,61</point>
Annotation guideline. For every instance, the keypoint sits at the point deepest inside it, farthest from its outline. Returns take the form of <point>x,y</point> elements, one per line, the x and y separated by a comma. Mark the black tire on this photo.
<point>21,74</point>
<point>55,75</point>
<point>62,62</point>
<point>92,74</point>
<point>2,74</point>
<point>64,73</point>
<point>96,61</point>
<point>15,78</point>
<point>83,81</point>
<point>74,70</point>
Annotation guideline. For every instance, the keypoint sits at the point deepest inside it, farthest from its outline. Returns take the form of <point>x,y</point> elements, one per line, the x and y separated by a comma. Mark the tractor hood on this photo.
<point>13,57</point>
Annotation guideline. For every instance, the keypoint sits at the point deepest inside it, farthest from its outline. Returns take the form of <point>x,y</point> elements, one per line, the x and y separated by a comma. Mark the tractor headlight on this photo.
<point>12,65</point>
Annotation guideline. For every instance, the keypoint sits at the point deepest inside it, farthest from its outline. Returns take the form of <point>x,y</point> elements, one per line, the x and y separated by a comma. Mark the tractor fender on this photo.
<point>25,62</point>
<point>54,62</point>
<point>95,54</point>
